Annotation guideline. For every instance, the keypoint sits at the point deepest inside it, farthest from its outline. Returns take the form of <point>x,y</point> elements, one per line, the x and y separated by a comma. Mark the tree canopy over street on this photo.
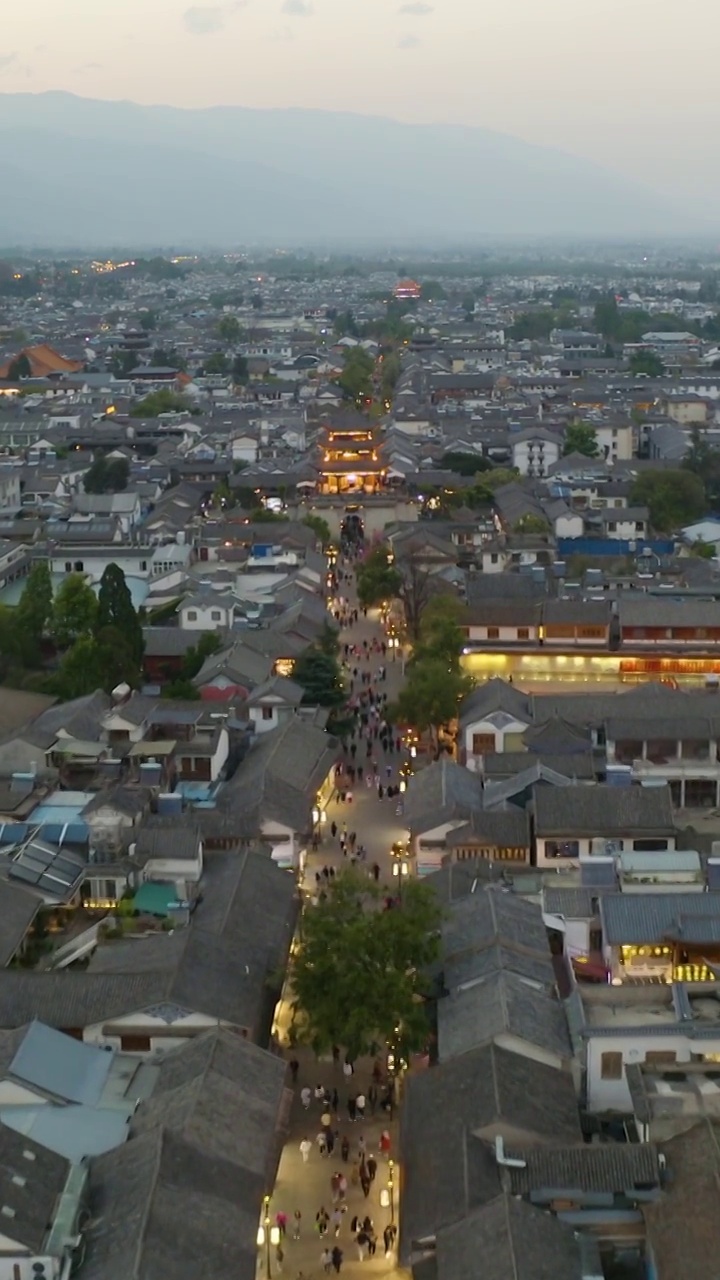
<point>360,978</point>
<point>580,438</point>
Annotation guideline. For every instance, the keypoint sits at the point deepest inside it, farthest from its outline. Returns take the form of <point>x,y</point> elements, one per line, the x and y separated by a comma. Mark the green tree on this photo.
<point>320,528</point>
<point>230,329</point>
<point>157,402</point>
<point>107,475</point>
<point>703,459</point>
<point>356,375</point>
<point>319,675</point>
<point>20,367</point>
<point>169,358</point>
<point>607,317</point>
<point>240,369</point>
<point>361,975</point>
<point>102,661</point>
<point>673,498</point>
<point>35,607</point>
<point>647,362</point>
<point>344,325</point>
<point>463,464</point>
<point>531,524</point>
<point>431,695</point>
<point>441,631</point>
<point>123,363</point>
<point>390,372</point>
<point>115,609</point>
<point>377,578</point>
<point>256,302</point>
<point>533,325</point>
<point>580,438</point>
<point>432,291</point>
<point>74,611</point>
<point>148,321</point>
<point>217,363</point>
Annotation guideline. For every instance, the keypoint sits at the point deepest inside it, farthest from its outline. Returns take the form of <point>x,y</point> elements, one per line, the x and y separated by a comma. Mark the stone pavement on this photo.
<point>307,1186</point>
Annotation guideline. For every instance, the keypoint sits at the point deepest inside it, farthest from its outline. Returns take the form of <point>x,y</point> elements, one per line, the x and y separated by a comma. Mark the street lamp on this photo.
<point>268,1236</point>
<point>387,1196</point>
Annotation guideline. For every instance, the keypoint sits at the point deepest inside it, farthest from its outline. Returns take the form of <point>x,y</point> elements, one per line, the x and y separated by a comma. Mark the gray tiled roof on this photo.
<point>495,695</point>
<point>650,917</point>
<point>470,966</point>
<point>499,1005</point>
<point>30,1188</point>
<point>279,778</point>
<point>223,1094</point>
<point>610,1167</point>
<point>443,792</point>
<point>491,915</point>
<point>513,1239</point>
<point>18,908</point>
<point>446,1170</point>
<point>501,827</point>
<point>162,1207</point>
<point>220,965</point>
<point>572,904</point>
<point>603,810</point>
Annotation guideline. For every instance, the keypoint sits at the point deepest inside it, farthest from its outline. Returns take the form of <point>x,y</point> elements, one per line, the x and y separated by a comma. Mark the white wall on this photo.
<point>487,726</point>
<point>614,1095</point>
<point>144,1024</point>
<point>212,617</point>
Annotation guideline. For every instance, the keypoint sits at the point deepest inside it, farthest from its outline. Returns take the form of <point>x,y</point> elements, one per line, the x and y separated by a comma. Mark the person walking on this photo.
<point>321,1220</point>
<point>336,1218</point>
<point>335,1101</point>
<point>305,1149</point>
<point>360,1106</point>
<point>321,1141</point>
<point>337,1259</point>
<point>389,1235</point>
<point>352,1109</point>
<point>326,1260</point>
<point>345,1148</point>
<point>371,1166</point>
<point>319,1093</point>
<point>297,1222</point>
<point>330,1141</point>
<point>281,1223</point>
<point>279,1257</point>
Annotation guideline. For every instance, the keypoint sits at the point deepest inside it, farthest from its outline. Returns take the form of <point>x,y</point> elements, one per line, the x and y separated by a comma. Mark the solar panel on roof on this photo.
<point>54,884</point>
<point>17,872</point>
<point>12,832</point>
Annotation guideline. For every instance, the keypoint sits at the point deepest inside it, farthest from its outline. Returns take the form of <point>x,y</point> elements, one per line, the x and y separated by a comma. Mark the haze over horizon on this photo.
<point>580,80</point>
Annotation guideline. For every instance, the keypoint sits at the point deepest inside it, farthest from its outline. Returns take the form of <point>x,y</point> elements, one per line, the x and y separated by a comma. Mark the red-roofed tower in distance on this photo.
<point>407,291</point>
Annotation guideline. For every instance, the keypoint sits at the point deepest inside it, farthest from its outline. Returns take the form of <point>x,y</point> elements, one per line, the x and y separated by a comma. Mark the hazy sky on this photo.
<point>632,83</point>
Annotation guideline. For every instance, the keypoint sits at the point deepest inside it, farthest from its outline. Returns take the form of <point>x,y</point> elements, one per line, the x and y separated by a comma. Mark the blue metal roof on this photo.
<point>55,1063</point>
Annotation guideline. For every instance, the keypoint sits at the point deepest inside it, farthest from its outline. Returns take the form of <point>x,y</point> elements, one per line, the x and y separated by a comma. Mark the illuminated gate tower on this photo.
<point>350,461</point>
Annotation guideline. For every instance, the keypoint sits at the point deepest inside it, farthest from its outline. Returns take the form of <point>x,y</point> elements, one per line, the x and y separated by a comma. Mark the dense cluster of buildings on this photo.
<point>564,1124</point>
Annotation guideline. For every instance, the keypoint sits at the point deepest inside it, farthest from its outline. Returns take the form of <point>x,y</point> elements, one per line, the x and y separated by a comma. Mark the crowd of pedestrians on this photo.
<point>340,1118</point>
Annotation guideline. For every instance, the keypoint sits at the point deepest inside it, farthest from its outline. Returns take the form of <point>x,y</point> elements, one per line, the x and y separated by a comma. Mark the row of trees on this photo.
<point>435,683</point>
<point>99,638</point>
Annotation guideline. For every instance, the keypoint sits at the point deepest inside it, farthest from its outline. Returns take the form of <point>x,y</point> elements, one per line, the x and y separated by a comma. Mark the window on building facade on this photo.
<point>523,633</point>
<point>493,633</point>
<point>192,615</point>
<point>562,849</point>
<point>611,1066</point>
<point>483,743</point>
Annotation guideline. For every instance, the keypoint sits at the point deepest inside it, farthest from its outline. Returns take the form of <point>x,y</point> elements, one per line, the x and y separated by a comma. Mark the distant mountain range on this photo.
<point>83,173</point>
